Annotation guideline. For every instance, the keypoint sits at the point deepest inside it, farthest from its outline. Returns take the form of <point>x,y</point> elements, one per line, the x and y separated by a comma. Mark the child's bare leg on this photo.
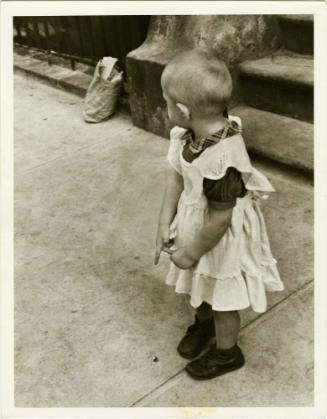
<point>227,326</point>
<point>204,312</point>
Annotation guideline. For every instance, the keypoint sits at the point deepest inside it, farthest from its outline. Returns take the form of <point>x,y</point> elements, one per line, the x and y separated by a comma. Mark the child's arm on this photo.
<point>215,226</point>
<point>170,200</point>
<point>221,195</point>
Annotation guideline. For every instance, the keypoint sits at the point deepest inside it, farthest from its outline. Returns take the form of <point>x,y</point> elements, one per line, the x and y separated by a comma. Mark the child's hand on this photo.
<point>162,243</point>
<point>182,259</point>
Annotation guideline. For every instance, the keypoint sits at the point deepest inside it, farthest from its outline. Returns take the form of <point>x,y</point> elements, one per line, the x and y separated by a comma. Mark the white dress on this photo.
<point>237,272</point>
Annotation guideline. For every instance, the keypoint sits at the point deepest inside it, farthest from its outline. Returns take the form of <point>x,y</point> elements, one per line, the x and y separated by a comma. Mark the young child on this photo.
<point>210,221</point>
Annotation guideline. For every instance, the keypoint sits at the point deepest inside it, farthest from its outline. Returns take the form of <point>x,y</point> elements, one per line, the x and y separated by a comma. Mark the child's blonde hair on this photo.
<point>199,80</point>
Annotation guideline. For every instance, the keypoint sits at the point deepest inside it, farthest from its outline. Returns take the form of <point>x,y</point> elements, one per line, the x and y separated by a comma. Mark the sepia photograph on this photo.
<point>163,207</point>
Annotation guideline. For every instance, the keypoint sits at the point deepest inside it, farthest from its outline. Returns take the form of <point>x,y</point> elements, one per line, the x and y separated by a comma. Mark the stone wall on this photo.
<point>235,38</point>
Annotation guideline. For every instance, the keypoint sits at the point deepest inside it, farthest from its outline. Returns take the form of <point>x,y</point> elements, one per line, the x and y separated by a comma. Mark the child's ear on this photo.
<point>185,110</point>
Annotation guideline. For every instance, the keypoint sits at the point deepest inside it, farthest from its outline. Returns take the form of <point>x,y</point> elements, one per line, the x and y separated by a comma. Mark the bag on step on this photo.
<point>103,92</point>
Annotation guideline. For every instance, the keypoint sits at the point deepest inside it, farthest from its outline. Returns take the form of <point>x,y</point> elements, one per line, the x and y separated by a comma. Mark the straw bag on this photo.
<point>103,92</point>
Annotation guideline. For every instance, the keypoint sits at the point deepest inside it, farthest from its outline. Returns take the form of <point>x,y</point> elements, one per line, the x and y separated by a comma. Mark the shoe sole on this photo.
<point>231,369</point>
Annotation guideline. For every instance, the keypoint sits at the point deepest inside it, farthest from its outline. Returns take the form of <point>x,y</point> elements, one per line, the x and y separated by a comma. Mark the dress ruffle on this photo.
<point>214,161</point>
<point>235,292</point>
<point>175,148</point>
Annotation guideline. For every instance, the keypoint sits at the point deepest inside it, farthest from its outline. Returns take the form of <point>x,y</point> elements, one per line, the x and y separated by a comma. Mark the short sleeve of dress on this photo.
<point>222,193</point>
<point>175,145</point>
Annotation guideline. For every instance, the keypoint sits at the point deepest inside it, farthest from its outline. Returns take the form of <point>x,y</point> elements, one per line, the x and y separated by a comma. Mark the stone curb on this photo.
<point>58,74</point>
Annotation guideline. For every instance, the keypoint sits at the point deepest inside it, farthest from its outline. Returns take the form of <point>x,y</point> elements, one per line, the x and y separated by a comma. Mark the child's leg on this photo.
<point>227,326</point>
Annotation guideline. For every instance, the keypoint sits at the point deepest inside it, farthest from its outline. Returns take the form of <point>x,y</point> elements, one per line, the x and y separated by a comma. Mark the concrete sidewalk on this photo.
<point>91,310</point>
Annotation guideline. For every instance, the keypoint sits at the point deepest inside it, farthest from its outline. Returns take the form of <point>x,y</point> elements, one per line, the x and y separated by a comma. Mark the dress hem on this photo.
<point>216,308</point>
<point>247,295</point>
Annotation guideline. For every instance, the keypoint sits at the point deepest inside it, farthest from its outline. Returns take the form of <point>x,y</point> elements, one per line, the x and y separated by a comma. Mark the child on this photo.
<point>210,221</point>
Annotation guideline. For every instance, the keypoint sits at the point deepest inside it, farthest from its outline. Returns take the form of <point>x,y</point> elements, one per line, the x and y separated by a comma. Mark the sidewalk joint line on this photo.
<point>296,292</point>
<point>156,388</point>
<point>242,329</point>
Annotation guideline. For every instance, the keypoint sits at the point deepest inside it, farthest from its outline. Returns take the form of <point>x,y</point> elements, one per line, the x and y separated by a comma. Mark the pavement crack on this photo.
<point>275,306</point>
<point>156,388</point>
<point>242,331</point>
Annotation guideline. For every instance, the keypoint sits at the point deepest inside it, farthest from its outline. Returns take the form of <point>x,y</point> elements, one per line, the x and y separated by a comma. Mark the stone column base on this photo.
<point>234,38</point>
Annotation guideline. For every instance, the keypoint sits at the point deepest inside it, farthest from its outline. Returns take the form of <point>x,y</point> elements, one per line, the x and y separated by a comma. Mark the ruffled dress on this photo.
<point>237,272</point>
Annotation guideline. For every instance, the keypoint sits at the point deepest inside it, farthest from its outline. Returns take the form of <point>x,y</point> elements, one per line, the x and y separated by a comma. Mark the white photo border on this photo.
<point>49,8</point>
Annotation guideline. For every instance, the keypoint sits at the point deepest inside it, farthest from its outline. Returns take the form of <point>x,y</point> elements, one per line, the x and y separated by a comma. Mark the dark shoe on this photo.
<point>215,362</point>
<point>196,338</point>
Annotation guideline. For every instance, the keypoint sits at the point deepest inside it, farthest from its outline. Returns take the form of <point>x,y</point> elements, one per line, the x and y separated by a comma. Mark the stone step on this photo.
<point>277,138</point>
<point>281,83</point>
<point>297,32</point>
